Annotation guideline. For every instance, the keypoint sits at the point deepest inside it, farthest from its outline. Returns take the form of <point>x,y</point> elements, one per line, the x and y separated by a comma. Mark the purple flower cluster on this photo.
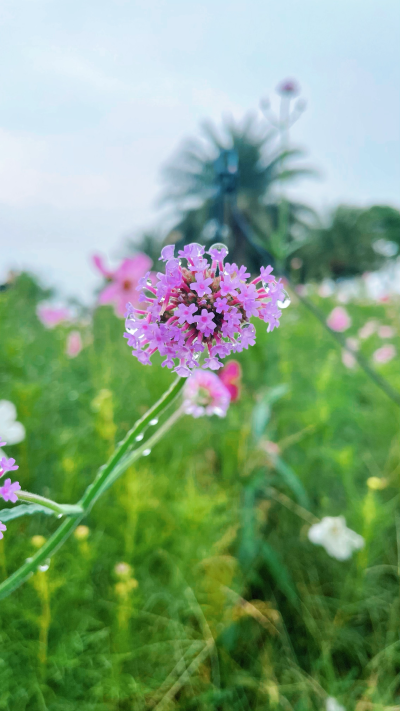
<point>198,307</point>
<point>9,489</point>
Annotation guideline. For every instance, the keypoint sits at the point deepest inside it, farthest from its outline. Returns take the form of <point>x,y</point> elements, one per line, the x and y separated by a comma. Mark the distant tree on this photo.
<point>192,188</point>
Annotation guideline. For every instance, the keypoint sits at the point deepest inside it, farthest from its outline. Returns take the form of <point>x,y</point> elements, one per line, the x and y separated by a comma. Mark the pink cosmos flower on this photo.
<point>2,528</point>
<point>205,394</point>
<point>339,320</point>
<point>384,354</point>
<point>74,344</point>
<point>51,316</point>
<point>231,375</point>
<point>201,308</point>
<point>124,281</point>
<point>386,332</point>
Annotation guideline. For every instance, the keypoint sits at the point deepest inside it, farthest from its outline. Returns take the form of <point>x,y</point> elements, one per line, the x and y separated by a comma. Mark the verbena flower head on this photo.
<point>200,305</point>
<point>9,489</point>
<point>205,394</point>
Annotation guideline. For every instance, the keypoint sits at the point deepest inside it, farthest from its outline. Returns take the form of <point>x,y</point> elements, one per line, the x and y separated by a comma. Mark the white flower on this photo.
<point>338,540</point>
<point>11,431</point>
<point>333,705</point>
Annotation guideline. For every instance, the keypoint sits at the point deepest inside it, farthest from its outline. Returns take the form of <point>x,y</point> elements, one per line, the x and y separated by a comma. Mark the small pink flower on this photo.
<point>384,354</point>
<point>386,332</point>
<point>231,375</point>
<point>339,320</point>
<point>74,344</point>
<point>205,394</point>
<point>9,490</point>
<point>51,317</point>
<point>123,281</point>
<point>368,329</point>
<point>348,359</point>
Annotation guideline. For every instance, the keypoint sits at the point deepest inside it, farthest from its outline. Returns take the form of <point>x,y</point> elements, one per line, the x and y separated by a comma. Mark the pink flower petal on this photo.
<point>99,264</point>
<point>109,294</point>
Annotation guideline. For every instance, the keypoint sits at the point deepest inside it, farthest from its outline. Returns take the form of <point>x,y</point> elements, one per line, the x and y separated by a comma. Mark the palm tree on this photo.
<point>250,209</point>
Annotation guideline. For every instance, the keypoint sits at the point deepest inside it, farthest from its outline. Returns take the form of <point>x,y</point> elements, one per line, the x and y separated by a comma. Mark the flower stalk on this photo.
<point>117,464</point>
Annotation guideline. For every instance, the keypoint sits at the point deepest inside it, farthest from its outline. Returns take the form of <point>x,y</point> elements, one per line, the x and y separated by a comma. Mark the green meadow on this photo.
<point>223,604</point>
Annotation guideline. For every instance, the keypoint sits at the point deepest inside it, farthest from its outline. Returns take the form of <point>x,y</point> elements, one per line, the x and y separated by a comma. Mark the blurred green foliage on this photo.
<point>226,605</point>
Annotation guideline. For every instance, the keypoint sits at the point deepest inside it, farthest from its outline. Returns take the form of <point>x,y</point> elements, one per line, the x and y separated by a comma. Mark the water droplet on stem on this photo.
<point>146,452</point>
<point>139,437</point>
<point>154,421</point>
<point>44,566</point>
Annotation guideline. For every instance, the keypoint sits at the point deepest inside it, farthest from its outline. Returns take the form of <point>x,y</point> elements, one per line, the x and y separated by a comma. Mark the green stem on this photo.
<point>95,489</point>
<point>63,509</point>
<point>137,453</point>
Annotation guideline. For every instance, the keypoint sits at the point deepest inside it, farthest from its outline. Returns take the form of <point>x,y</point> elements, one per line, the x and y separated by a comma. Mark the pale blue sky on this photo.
<point>95,95</point>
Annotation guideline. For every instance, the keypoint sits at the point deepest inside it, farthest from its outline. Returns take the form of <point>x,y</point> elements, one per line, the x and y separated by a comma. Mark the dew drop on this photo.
<point>44,566</point>
<point>60,515</point>
<point>139,437</point>
<point>219,246</point>
<point>146,452</point>
<point>154,421</point>
<point>286,301</point>
<point>199,247</point>
<point>28,560</point>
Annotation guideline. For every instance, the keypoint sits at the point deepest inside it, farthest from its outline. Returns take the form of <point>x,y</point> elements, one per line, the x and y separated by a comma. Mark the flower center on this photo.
<point>127,284</point>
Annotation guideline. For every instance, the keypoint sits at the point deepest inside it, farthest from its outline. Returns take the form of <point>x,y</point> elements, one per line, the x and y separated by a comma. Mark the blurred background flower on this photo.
<point>123,282</point>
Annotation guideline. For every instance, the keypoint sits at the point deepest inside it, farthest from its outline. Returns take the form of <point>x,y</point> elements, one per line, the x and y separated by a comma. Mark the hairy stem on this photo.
<point>62,509</point>
<point>96,488</point>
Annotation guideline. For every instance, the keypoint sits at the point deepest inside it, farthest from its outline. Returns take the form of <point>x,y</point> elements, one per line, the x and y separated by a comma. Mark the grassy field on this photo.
<point>226,605</point>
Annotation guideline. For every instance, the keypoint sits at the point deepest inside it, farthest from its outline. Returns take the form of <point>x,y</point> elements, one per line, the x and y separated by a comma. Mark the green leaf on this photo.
<point>29,509</point>
<point>279,572</point>
<point>291,480</point>
<point>22,510</point>
<point>262,410</point>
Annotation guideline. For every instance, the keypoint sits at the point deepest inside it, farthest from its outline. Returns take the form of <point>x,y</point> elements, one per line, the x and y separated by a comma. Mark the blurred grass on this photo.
<point>228,605</point>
